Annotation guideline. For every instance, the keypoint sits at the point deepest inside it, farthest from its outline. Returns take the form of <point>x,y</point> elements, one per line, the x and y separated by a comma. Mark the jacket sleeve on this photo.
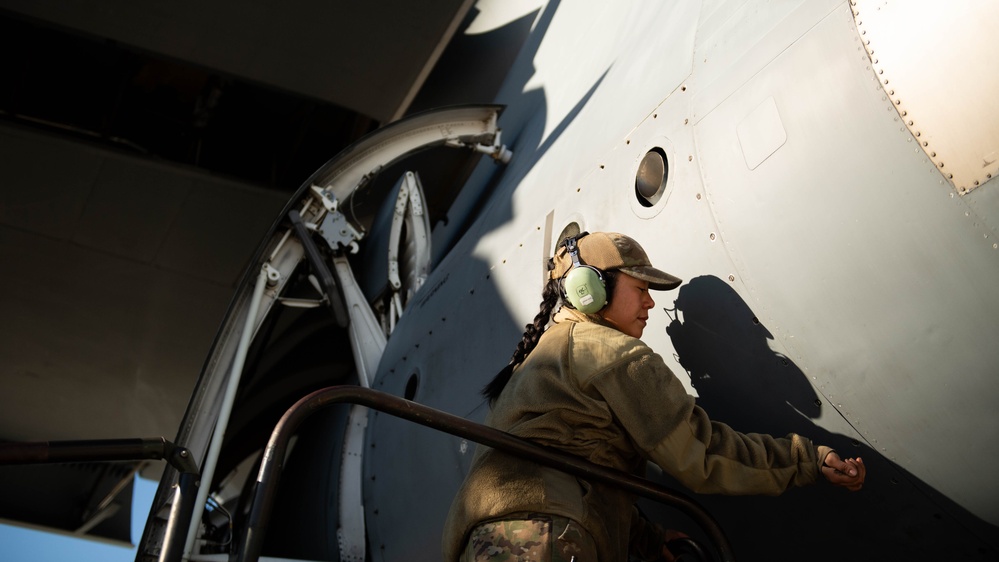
<point>668,428</point>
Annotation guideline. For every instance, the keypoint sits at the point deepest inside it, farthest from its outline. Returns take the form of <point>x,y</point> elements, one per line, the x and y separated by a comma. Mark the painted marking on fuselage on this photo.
<point>433,291</point>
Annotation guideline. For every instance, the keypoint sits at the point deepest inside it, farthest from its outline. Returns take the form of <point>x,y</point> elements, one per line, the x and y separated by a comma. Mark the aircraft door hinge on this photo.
<point>495,149</point>
<point>326,197</point>
<point>338,232</point>
<point>273,275</point>
<point>334,226</point>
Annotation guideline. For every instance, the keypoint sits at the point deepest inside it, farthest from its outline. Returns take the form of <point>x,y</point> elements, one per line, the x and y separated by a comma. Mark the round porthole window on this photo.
<point>412,385</point>
<point>651,178</point>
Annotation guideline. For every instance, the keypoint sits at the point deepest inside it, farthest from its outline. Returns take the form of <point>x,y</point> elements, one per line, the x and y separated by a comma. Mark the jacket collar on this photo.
<point>567,314</point>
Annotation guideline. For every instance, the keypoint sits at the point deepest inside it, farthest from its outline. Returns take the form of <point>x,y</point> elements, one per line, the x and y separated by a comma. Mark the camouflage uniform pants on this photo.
<point>536,538</point>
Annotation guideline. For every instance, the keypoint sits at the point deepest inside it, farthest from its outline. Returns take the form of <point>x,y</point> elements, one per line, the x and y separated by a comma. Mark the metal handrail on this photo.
<point>134,449</point>
<point>274,456</point>
<point>97,450</point>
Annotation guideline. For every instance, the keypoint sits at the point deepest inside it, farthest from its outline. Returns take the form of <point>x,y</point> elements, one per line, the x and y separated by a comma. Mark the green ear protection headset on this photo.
<point>583,286</point>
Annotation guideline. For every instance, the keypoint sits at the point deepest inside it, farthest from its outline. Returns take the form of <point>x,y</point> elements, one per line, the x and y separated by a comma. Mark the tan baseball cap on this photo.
<point>614,251</point>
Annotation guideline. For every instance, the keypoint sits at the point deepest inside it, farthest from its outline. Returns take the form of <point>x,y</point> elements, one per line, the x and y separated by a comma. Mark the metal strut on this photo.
<point>274,455</point>
<point>106,450</point>
<point>334,295</point>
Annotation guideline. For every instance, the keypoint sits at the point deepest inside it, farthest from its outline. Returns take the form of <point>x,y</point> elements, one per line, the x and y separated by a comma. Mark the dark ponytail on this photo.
<point>549,299</point>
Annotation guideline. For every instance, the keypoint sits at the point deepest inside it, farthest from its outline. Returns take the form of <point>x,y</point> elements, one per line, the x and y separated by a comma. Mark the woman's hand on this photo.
<point>849,474</point>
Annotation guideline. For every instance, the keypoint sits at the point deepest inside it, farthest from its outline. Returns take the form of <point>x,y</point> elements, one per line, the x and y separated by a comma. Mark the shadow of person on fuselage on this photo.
<point>741,381</point>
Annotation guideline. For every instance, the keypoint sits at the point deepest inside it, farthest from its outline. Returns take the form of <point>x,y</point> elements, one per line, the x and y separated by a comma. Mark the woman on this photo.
<point>588,386</point>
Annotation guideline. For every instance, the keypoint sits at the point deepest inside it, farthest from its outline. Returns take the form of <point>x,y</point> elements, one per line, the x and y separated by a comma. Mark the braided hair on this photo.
<point>550,297</point>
